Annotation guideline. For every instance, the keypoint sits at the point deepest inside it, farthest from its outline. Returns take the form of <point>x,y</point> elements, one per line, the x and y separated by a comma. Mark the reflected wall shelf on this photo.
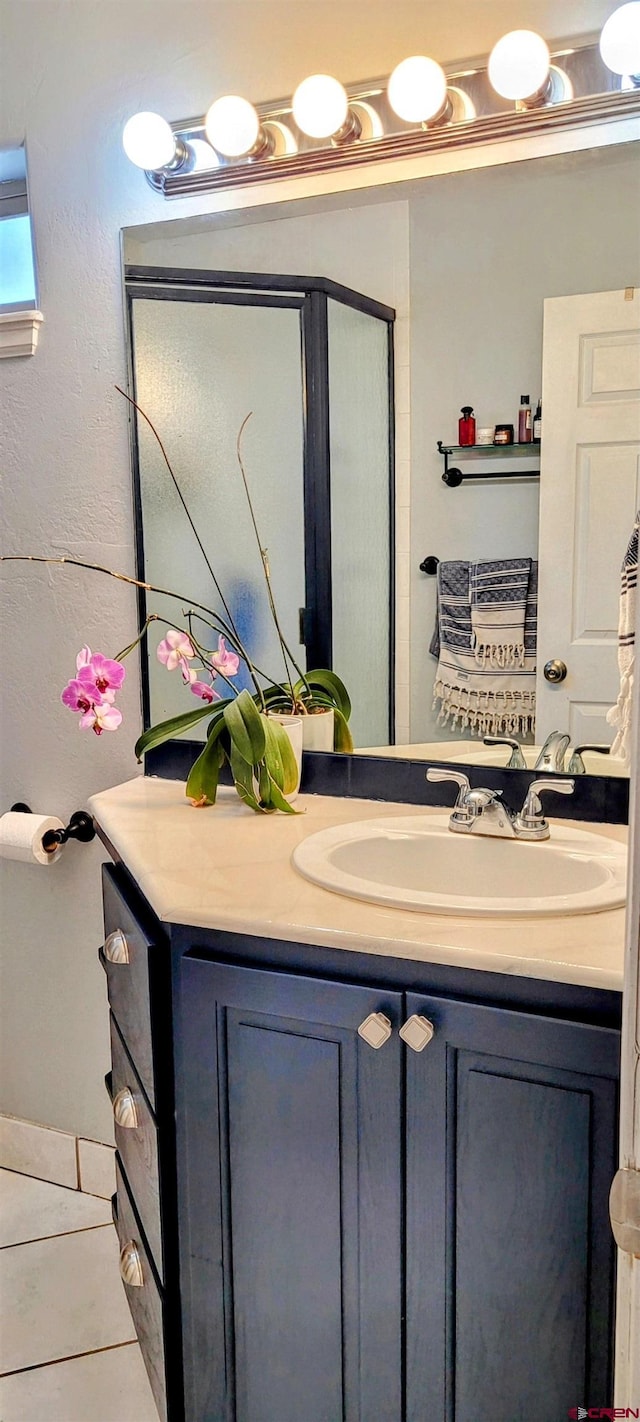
<point>453,476</point>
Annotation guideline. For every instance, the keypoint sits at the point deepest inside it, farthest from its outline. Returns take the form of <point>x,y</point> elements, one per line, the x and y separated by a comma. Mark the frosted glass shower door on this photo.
<point>360,408</point>
<point>201,365</point>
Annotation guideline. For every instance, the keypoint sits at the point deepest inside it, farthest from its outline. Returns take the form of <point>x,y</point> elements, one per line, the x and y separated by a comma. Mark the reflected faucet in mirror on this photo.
<point>552,755</point>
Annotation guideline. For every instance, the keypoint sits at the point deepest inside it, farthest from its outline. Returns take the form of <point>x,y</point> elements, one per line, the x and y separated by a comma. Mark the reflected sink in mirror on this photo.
<point>416,863</point>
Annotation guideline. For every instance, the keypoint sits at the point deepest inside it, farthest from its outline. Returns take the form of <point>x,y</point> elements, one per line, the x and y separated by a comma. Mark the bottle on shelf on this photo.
<point>537,421</point>
<point>467,426</point>
<point>525,422</point>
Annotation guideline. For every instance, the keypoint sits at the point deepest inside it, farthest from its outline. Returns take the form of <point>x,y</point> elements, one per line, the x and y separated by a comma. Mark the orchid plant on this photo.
<point>243,728</point>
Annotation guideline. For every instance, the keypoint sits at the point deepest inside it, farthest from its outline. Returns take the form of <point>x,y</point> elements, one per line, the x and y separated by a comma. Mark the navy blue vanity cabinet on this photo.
<point>511,1149</point>
<point>329,1230</point>
<point>290,1185</point>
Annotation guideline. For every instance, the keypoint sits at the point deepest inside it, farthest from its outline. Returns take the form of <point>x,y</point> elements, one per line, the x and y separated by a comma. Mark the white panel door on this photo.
<point>589,493</point>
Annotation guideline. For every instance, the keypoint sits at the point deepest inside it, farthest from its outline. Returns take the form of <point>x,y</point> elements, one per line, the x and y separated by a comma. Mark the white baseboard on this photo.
<point>57,1156</point>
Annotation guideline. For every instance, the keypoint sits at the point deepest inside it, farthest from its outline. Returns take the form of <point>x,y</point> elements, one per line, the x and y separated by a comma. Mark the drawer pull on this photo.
<point>375,1030</point>
<point>131,1265</point>
<point>417,1032</point>
<point>124,1109</point>
<point>116,948</point>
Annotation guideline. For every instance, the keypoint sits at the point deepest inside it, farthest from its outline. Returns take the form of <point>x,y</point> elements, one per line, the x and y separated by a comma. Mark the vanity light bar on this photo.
<point>522,89</point>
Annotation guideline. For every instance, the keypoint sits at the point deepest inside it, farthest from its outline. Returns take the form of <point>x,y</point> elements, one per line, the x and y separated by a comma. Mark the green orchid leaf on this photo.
<point>277,698</point>
<point>217,720</point>
<point>264,782</point>
<point>205,773</point>
<point>327,682</point>
<point>243,780</point>
<point>246,728</point>
<point>277,801</point>
<point>342,738</point>
<point>166,730</point>
<point>280,758</point>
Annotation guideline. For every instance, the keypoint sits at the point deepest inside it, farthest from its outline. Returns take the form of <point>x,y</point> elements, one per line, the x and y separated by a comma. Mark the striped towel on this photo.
<point>620,714</point>
<point>498,604</point>
<point>483,699</point>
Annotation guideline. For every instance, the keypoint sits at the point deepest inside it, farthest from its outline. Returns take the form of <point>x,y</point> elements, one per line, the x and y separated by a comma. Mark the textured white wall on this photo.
<point>73,70</point>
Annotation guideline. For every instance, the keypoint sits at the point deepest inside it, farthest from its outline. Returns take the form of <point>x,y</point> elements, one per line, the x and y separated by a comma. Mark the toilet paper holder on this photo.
<point>80,827</point>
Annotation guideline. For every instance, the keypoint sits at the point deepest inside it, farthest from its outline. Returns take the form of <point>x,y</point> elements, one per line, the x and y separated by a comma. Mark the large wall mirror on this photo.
<point>355,328</point>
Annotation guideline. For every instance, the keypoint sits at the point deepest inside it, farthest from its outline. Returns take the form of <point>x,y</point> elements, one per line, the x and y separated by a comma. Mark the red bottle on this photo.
<point>467,426</point>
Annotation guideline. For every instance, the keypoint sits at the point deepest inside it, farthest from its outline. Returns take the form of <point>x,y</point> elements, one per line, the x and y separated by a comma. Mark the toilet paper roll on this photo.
<point>21,837</point>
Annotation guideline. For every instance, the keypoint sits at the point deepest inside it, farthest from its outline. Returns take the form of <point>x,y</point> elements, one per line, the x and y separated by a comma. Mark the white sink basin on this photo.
<point>415,862</point>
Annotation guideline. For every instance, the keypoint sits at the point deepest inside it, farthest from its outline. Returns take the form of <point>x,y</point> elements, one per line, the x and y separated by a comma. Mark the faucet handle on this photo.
<point>576,764</point>
<point>516,760</point>
<point>458,778</point>
<point>531,816</point>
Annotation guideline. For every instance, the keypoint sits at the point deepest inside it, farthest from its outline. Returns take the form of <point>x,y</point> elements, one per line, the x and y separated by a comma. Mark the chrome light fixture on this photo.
<point>523,89</point>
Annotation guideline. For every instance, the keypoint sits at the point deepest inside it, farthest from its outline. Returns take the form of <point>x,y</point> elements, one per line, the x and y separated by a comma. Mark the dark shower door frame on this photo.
<point>310,296</point>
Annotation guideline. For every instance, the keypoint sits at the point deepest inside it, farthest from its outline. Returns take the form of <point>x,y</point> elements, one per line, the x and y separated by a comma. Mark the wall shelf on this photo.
<point>453,476</point>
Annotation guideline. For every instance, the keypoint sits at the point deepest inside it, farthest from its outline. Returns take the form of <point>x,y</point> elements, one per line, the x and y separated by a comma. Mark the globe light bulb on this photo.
<point>148,141</point>
<point>232,126</point>
<point>204,157</point>
<point>417,89</point>
<point>620,40</point>
<point>320,106</point>
<point>519,65</point>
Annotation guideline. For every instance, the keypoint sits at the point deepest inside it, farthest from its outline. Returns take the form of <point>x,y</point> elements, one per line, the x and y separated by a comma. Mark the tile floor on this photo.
<point>67,1344</point>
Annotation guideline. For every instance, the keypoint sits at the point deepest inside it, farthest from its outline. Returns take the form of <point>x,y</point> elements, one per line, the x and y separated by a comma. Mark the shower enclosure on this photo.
<point>312,363</point>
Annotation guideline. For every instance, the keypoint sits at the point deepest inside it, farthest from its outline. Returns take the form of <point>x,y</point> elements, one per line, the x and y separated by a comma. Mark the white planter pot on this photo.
<point>317,731</point>
<point>293,727</point>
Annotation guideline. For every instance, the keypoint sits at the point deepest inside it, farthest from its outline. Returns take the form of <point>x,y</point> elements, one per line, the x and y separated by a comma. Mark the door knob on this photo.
<point>375,1030</point>
<point>124,1109</point>
<point>555,670</point>
<point>116,948</point>
<point>417,1032</point>
<point>131,1265</point>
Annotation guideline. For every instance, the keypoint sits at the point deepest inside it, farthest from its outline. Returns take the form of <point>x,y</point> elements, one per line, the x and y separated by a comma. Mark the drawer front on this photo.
<point>125,958</point>
<point>137,1143</point>
<point>144,1297</point>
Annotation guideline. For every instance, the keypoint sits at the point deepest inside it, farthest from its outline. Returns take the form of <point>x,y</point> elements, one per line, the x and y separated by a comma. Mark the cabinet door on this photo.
<point>290,1176</point>
<point>511,1127</point>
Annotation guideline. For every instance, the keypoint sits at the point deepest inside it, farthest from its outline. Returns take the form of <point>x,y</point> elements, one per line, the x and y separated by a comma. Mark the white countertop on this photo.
<point>227,868</point>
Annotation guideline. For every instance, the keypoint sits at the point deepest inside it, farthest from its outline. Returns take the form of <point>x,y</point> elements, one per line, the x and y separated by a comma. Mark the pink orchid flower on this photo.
<point>102,716</point>
<point>80,695</point>
<point>225,661</point>
<point>175,650</point>
<point>207,693</point>
<point>100,671</point>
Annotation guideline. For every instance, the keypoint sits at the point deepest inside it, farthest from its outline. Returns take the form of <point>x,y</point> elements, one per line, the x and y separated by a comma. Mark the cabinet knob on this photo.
<point>116,948</point>
<point>124,1109</point>
<point>131,1265</point>
<point>555,670</point>
<point>417,1032</point>
<point>375,1030</point>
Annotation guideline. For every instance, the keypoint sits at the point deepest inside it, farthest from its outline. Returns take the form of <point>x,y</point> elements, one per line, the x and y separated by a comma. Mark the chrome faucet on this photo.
<point>482,811</point>
<point>553,752</point>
